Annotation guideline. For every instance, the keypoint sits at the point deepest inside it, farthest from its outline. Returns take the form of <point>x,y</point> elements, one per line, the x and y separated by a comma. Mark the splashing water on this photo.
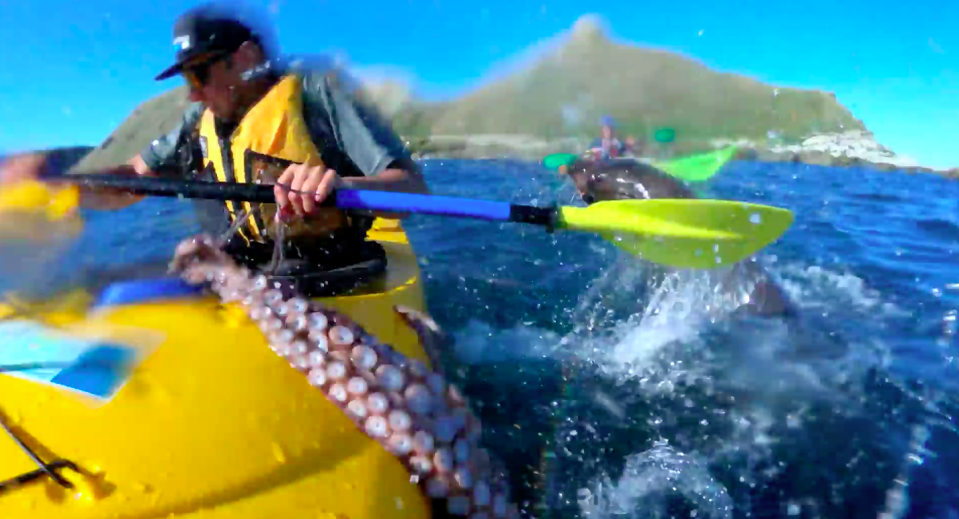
<point>648,482</point>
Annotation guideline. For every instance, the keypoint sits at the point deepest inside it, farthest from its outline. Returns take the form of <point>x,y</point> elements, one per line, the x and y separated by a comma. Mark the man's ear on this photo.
<point>248,55</point>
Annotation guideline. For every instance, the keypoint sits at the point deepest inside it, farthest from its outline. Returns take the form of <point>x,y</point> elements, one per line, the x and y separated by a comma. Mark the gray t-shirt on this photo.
<point>346,128</point>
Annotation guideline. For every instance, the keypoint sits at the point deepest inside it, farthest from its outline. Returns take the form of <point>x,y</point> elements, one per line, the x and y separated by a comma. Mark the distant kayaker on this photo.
<point>253,119</point>
<point>608,146</point>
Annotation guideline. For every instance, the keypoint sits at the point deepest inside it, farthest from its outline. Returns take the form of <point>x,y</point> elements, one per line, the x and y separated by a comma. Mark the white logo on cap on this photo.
<point>183,42</point>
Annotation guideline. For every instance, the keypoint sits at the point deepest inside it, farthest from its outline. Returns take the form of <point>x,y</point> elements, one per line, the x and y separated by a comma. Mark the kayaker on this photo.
<point>254,119</point>
<point>607,146</point>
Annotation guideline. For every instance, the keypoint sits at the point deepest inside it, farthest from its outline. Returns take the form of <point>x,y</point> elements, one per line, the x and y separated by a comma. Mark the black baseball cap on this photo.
<point>203,34</point>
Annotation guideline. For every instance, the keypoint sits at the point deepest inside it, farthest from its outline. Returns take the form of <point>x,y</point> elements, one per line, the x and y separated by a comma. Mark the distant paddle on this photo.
<point>699,167</point>
<point>557,160</point>
<point>664,135</point>
<point>699,234</point>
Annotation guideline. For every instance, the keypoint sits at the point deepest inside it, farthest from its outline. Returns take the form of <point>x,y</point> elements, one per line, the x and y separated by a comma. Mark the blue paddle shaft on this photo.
<point>422,204</point>
<point>346,199</point>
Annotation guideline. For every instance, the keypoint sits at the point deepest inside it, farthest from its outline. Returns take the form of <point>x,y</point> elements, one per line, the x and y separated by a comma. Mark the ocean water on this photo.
<point>620,389</point>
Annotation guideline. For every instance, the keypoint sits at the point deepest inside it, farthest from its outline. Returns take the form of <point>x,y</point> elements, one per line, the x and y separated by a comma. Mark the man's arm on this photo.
<point>401,175</point>
<point>110,199</point>
<point>363,136</point>
<point>160,157</point>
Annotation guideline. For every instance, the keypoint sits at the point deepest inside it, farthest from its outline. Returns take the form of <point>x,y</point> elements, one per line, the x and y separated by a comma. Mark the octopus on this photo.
<point>408,408</point>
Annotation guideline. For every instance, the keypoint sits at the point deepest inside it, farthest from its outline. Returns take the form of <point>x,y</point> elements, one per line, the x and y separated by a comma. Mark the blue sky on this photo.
<point>70,72</point>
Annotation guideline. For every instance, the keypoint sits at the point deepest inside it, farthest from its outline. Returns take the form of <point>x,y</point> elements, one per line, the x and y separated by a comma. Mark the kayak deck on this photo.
<point>211,422</point>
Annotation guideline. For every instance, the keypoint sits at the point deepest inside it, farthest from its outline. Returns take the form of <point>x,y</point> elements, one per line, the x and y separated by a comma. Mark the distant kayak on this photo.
<point>693,168</point>
<point>699,167</point>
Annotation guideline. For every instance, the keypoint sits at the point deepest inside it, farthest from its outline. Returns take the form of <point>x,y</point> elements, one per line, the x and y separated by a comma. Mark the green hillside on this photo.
<point>148,121</point>
<point>566,92</point>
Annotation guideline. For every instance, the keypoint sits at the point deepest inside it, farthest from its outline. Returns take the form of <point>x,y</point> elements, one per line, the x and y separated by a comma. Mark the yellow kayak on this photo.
<point>211,423</point>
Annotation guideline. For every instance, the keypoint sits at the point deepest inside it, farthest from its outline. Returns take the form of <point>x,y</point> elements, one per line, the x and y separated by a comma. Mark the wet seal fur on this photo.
<point>628,179</point>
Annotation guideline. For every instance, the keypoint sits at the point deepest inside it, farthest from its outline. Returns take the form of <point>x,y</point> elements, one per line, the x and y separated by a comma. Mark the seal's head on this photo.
<point>622,179</point>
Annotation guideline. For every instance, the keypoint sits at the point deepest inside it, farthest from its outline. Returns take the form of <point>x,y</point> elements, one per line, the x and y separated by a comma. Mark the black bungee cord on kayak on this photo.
<point>45,469</point>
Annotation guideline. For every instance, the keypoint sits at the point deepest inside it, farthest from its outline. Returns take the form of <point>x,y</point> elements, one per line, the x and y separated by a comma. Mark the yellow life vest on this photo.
<point>272,135</point>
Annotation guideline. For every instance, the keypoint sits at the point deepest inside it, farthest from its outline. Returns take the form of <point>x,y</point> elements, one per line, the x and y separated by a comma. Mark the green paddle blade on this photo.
<point>665,135</point>
<point>700,234</point>
<point>556,160</point>
<point>697,168</point>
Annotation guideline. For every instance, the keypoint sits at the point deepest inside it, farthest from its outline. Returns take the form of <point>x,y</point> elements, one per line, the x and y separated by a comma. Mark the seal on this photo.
<point>628,179</point>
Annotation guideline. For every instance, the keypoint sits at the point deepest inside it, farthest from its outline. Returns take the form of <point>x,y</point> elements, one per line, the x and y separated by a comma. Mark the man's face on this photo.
<point>607,132</point>
<point>217,85</point>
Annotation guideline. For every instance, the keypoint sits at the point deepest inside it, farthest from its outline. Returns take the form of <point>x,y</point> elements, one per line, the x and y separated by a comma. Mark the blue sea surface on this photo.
<point>620,389</point>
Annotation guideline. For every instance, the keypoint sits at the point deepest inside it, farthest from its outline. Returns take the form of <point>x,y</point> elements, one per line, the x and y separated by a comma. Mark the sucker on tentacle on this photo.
<point>412,411</point>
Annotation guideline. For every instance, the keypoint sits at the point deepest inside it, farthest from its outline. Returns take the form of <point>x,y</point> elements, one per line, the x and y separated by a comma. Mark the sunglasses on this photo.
<point>198,74</point>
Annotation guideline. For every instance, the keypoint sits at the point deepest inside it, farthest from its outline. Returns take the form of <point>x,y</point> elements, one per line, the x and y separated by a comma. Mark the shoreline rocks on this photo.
<point>854,148</point>
<point>851,148</point>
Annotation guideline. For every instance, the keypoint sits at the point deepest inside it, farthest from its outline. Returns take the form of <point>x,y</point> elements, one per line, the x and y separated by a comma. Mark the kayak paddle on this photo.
<point>31,211</point>
<point>555,160</point>
<point>699,167</point>
<point>679,233</point>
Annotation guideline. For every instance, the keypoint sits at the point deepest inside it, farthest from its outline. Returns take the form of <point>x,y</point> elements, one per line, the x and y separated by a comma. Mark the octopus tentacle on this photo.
<point>432,337</point>
<point>411,410</point>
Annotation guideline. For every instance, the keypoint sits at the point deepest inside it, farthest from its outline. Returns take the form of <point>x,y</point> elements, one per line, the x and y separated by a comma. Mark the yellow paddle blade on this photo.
<point>33,210</point>
<point>37,197</point>
<point>700,234</point>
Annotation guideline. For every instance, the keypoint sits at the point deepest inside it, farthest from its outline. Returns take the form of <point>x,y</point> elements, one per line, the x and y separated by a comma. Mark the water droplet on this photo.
<point>755,219</point>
